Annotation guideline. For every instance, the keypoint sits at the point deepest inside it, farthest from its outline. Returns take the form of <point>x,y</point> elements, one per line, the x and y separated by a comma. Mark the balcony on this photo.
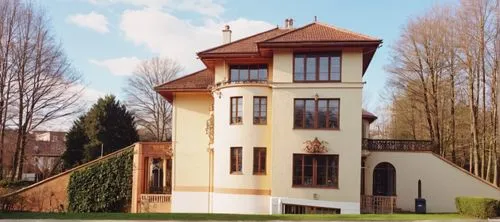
<point>226,83</point>
<point>397,145</point>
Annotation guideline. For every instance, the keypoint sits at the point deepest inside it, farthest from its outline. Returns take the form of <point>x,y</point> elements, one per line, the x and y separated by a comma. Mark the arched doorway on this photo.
<point>384,180</point>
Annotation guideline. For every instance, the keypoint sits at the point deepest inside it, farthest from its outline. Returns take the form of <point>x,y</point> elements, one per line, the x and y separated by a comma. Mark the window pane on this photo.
<point>263,72</point>
<point>333,111</point>
<point>323,68</point>
<point>254,72</point>
<point>260,110</point>
<point>236,110</point>
<point>244,74</point>
<point>335,68</point>
<point>321,170</point>
<point>332,179</point>
<point>308,170</point>
<point>263,157</point>
<point>297,169</point>
<point>311,68</point>
<point>310,110</point>
<point>299,68</point>
<point>259,160</point>
<point>234,73</point>
<point>298,113</point>
<point>322,112</point>
<point>235,159</point>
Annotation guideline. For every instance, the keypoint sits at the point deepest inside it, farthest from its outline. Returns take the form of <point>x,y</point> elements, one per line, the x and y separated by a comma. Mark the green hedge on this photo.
<point>478,207</point>
<point>103,187</point>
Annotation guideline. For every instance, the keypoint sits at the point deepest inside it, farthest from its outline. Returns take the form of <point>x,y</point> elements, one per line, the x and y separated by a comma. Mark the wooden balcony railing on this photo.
<point>377,204</point>
<point>397,145</point>
<point>155,198</point>
<point>242,82</point>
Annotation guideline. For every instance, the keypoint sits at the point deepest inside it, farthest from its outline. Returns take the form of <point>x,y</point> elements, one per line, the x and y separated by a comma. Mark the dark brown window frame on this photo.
<point>260,98</point>
<point>259,65</point>
<point>315,171</point>
<point>238,98</point>
<point>303,209</point>
<point>238,151</point>
<point>317,55</point>
<point>315,117</point>
<point>257,161</point>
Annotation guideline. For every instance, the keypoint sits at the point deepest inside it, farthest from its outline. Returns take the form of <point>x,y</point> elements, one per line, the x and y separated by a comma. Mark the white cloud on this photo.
<point>204,7</point>
<point>119,66</point>
<point>169,36</point>
<point>93,20</point>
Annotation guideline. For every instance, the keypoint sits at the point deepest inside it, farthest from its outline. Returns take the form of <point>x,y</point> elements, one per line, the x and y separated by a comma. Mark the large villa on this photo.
<point>274,125</point>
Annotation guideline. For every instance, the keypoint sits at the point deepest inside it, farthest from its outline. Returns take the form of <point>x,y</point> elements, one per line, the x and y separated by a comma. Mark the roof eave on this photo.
<point>296,44</point>
<point>227,55</point>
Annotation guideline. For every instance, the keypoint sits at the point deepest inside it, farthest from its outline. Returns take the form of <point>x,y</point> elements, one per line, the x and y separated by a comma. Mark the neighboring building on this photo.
<point>274,124</point>
<point>42,153</point>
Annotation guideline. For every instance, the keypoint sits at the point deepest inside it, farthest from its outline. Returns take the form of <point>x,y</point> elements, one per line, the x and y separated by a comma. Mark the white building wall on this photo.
<point>442,181</point>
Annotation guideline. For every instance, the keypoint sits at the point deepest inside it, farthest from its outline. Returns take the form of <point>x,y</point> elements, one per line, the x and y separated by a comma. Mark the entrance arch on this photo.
<point>384,180</point>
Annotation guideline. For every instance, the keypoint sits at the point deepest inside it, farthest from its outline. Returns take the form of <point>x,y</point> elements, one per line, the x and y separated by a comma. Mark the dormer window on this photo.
<point>248,73</point>
<point>317,67</point>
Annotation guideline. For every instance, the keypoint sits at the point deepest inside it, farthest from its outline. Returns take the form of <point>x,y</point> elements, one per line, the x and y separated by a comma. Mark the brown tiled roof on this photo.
<point>369,116</point>
<point>317,32</point>
<point>245,45</point>
<point>314,32</point>
<point>196,81</point>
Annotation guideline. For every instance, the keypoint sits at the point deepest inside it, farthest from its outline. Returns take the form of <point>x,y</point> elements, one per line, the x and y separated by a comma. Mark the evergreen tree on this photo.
<point>109,125</point>
<point>76,138</point>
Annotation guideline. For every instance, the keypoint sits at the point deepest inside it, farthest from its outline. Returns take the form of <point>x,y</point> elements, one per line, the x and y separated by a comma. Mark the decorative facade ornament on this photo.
<point>169,152</point>
<point>209,129</point>
<point>315,146</point>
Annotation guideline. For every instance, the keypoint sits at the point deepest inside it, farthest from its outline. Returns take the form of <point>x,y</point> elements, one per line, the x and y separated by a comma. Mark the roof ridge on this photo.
<point>286,33</point>
<point>239,40</point>
<point>346,30</point>
<point>182,77</point>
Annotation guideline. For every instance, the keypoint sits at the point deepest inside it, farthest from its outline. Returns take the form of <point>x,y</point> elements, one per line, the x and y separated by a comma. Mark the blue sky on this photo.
<point>105,39</point>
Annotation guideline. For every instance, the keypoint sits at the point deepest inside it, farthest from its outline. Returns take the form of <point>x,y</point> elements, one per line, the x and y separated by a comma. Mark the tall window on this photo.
<point>259,160</point>
<point>236,110</point>
<point>236,160</point>
<point>315,170</point>
<point>259,110</point>
<point>318,67</point>
<point>248,72</point>
<point>316,114</point>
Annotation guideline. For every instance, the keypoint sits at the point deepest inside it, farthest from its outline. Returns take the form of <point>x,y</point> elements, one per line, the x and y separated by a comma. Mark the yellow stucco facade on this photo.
<point>204,179</point>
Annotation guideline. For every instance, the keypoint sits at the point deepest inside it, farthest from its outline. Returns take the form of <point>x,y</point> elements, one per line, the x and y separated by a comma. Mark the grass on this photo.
<point>228,217</point>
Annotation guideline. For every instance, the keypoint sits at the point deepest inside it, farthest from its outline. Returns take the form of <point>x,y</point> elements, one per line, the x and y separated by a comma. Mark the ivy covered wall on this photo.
<point>103,187</point>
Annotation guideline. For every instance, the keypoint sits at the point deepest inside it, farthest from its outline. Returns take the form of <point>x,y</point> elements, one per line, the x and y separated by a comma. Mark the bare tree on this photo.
<point>44,80</point>
<point>8,15</point>
<point>153,112</point>
<point>444,71</point>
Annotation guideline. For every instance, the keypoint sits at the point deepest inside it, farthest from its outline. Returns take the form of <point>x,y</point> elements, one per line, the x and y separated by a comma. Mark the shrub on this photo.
<point>103,187</point>
<point>478,207</point>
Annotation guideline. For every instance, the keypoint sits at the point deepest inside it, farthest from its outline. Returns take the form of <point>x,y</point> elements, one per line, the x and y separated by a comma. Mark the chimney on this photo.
<point>288,23</point>
<point>226,35</point>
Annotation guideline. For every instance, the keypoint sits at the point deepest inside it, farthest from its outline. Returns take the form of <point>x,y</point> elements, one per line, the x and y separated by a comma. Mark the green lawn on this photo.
<point>226,217</point>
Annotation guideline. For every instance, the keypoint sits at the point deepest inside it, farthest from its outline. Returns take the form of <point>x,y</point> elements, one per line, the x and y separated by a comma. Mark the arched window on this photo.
<point>384,180</point>
<point>156,185</point>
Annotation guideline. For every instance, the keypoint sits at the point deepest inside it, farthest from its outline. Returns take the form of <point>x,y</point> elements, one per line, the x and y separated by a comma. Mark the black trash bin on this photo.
<point>420,206</point>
